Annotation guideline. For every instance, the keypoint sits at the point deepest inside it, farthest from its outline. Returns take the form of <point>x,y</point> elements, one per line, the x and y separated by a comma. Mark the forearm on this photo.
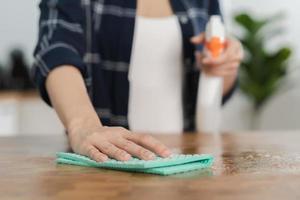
<point>70,99</point>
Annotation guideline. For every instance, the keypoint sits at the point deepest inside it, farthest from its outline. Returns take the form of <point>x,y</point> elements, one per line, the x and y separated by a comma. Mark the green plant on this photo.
<point>262,71</point>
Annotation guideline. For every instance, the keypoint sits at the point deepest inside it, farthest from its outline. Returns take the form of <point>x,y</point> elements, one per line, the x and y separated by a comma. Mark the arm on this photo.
<point>86,134</point>
<point>59,73</point>
<point>69,98</point>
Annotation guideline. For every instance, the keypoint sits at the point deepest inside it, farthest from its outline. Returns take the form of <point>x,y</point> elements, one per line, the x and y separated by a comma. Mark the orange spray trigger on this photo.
<point>215,46</point>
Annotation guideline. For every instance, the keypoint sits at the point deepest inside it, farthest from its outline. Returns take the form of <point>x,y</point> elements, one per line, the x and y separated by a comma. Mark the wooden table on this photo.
<point>248,166</point>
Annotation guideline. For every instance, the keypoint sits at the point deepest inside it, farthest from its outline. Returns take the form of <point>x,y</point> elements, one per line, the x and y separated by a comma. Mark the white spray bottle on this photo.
<point>210,90</point>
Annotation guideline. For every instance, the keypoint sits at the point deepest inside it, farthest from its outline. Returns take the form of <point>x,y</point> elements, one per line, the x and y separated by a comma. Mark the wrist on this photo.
<point>83,124</point>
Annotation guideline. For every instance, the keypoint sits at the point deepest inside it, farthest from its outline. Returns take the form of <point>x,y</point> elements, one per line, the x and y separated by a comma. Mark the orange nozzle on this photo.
<point>215,46</point>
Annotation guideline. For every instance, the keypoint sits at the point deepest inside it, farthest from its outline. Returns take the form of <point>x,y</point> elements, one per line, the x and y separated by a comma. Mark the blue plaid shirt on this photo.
<point>96,37</point>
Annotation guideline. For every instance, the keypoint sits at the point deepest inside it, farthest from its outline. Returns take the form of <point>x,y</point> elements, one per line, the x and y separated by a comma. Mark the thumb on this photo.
<point>198,39</point>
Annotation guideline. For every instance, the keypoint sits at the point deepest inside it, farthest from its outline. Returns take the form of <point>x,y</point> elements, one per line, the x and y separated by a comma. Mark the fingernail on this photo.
<point>166,153</point>
<point>127,157</point>
<point>105,158</point>
<point>102,159</point>
<point>150,156</point>
<point>146,155</point>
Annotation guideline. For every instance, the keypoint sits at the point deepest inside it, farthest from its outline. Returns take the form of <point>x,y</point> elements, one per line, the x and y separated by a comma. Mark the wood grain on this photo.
<point>248,166</point>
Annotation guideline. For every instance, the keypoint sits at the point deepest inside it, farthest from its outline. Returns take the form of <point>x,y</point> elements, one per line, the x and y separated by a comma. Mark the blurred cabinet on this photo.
<point>9,117</point>
<point>27,114</point>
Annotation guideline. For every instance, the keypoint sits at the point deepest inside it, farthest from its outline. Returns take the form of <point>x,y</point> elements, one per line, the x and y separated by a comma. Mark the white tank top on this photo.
<point>155,75</point>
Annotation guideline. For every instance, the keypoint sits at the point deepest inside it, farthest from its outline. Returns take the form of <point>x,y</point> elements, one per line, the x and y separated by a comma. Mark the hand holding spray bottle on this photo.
<point>210,90</point>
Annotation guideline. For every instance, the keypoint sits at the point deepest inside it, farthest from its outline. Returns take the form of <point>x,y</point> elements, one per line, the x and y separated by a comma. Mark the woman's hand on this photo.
<point>99,143</point>
<point>87,136</point>
<point>226,66</point>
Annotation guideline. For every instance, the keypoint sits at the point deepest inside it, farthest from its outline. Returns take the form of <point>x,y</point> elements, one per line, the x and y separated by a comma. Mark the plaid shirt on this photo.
<point>96,37</point>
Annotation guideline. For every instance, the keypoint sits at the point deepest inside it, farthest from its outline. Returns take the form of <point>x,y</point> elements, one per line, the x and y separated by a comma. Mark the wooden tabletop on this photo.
<point>248,166</point>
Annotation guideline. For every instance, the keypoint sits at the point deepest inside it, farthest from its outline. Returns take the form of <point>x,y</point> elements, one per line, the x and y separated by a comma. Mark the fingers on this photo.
<point>199,39</point>
<point>233,53</point>
<point>95,154</point>
<point>151,144</point>
<point>231,64</point>
<point>119,144</point>
<point>112,151</point>
<point>223,70</point>
<point>226,65</point>
<point>135,149</point>
<point>225,58</point>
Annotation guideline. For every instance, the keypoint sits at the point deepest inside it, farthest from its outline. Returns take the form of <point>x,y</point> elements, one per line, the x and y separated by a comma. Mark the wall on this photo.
<point>27,114</point>
<point>282,112</point>
<point>268,8</point>
<point>18,28</point>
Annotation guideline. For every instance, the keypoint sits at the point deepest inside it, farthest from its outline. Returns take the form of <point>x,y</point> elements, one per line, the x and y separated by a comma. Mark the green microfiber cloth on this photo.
<point>161,166</point>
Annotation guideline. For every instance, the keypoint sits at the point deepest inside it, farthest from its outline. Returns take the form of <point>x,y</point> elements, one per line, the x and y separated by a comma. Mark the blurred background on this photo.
<point>269,91</point>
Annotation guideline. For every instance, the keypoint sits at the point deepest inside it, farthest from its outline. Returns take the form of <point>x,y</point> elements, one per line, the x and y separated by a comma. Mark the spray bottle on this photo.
<point>210,90</point>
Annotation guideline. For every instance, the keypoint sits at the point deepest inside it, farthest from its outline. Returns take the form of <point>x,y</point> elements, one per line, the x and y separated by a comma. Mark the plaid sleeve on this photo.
<point>214,7</point>
<point>61,40</point>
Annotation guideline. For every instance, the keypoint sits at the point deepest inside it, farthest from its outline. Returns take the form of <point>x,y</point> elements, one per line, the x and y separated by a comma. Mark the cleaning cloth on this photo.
<point>178,163</point>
